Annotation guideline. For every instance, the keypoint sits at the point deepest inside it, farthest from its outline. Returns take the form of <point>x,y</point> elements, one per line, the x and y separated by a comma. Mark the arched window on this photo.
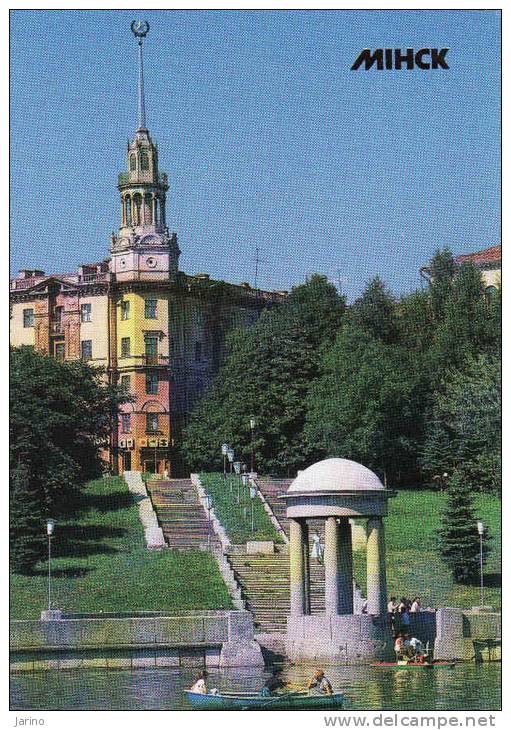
<point>144,161</point>
<point>137,203</point>
<point>127,214</point>
<point>133,162</point>
<point>148,208</point>
<point>156,213</point>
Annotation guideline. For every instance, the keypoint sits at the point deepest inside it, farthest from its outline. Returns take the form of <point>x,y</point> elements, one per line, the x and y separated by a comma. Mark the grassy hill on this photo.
<point>101,564</point>
<point>413,563</point>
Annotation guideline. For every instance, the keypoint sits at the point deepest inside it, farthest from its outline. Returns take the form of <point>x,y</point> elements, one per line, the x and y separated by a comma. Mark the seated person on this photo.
<point>416,648</point>
<point>322,684</point>
<point>398,647</point>
<point>273,684</point>
<point>199,686</point>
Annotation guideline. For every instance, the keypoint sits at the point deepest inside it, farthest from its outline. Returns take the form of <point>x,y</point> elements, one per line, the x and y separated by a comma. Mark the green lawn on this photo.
<point>413,563</point>
<point>236,518</point>
<point>101,564</point>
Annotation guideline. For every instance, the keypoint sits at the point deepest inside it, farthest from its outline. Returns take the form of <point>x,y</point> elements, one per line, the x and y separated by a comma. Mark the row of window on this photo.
<point>150,312</point>
<point>151,352</point>
<point>144,162</point>
<point>151,383</point>
<point>152,423</point>
<point>150,309</point>
<point>151,347</point>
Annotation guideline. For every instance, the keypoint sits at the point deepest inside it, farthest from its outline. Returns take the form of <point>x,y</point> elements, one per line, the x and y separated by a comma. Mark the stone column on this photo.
<point>297,567</point>
<point>306,570</point>
<point>345,568</point>
<point>331,567</point>
<point>376,577</point>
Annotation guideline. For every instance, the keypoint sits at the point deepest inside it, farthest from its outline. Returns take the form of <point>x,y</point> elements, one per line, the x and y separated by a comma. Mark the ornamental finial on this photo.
<point>140,28</point>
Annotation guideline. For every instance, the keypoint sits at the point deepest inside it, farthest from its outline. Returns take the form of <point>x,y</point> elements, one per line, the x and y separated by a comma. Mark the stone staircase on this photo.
<point>271,489</point>
<point>264,581</point>
<point>180,514</point>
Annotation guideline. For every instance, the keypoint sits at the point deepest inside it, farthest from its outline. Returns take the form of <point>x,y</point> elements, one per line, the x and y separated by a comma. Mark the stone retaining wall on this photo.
<point>217,638</point>
<point>152,531</point>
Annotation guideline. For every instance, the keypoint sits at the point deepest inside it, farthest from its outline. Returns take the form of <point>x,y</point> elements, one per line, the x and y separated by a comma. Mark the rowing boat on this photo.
<point>249,701</point>
<point>412,665</point>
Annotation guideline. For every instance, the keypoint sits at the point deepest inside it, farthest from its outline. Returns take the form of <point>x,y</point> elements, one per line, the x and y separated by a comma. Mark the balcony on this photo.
<point>91,278</point>
<point>56,328</point>
<point>152,360</point>
<point>125,178</point>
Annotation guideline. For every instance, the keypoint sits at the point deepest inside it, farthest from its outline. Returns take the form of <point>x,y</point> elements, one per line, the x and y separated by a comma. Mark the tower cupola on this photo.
<point>143,238</point>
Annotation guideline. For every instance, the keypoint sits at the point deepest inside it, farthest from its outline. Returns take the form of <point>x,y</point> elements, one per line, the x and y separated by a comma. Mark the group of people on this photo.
<point>399,611</point>
<point>274,685</point>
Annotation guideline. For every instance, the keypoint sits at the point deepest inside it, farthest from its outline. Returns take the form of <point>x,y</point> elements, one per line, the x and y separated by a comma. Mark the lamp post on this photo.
<point>244,483</point>
<point>253,495</point>
<point>237,471</point>
<point>252,458</point>
<point>208,503</point>
<point>225,449</point>
<point>480,530</point>
<point>230,456</point>
<point>50,528</point>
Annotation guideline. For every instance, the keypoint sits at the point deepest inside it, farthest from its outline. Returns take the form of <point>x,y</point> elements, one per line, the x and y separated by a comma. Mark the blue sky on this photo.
<point>268,137</point>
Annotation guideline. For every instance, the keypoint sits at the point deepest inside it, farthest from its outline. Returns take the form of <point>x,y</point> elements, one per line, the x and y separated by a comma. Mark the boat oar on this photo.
<point>273,700</point>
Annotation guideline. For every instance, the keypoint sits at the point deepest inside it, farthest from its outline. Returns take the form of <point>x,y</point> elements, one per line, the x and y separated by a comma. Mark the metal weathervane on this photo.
<point>140,28</point>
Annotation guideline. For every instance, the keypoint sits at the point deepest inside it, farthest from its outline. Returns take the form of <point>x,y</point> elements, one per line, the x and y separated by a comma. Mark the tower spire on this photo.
<point>140,28</point>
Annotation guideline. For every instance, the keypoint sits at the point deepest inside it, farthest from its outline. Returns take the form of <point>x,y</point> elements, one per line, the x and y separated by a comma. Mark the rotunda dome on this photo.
<point>340,475</point>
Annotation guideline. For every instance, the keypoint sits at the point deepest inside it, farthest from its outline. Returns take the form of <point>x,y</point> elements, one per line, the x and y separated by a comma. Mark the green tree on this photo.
<point>26,527</point>
<point>463,432</point>
<point>363,407</point>
<point>267,375</point>
<point>375,312</point>
<point>459,539</point>
<point>60,418</point>
<point>468,327</point>
<point>442,269</point>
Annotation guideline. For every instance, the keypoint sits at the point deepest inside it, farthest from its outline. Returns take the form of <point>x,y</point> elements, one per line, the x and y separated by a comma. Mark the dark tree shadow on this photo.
<point>104,502</point>
<point>64,572</point>
<point>491,580</point>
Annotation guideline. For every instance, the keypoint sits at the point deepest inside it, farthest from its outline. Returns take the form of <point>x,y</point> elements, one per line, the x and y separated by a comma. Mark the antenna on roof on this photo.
<point>258,260</point>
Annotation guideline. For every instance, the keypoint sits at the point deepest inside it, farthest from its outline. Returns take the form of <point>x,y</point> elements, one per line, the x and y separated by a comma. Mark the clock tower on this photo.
<point>143,248</point>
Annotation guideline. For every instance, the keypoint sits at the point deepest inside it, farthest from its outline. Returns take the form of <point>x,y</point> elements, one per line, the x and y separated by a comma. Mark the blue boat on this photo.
<point>252,701</point>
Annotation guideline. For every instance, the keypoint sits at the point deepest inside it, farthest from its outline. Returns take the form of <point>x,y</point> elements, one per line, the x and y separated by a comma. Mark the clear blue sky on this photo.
<point>268,137</point>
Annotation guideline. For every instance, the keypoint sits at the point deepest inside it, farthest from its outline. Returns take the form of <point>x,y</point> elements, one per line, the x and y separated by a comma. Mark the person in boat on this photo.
<point>274,683</point>
<point>320,682</point>
<point>399,647</point>
<point>416,650</point>
<point>199,686</point>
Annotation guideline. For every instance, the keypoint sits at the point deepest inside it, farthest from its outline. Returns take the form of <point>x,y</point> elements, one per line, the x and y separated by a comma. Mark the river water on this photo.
<point>464,687</point>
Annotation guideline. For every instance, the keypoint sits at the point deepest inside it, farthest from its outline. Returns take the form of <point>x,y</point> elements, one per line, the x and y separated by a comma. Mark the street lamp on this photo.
<point>480,530</point>
<point>230,456</point>
<point>252,459</point>
<point>50,528</point>
<point>208,504</point>
<point>253,495</point>
<point>237,470</point>
<point>225,449</point>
